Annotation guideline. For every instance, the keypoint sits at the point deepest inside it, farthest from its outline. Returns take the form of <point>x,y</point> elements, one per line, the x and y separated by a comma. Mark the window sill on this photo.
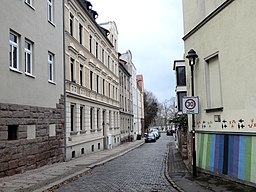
<point>51,82</point>
<point>73,133</point>
<point>214,109</point>
<point>51,23</point>
<point>93,130</point>
<point>83,131</point>
<point>15,70</point>
<point>30,75</point>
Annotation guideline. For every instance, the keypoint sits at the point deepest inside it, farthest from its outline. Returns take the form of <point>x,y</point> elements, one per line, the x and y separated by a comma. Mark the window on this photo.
<point>180,95</point>
<point>98,145</point>
<point>14,53</point>
<point>72,117</point>
<point>50,67</point>
<point>92,148</point>
<point>103,86</point>
<point>96,50</point>
<point>91,117</point>
<point>80,34</point>
<point>81,117</point>
<point>81,75</point>
<point>113,92</point>
<point>108,60</point>
<point>28,57</point>
<point>98,119</point>
<point>71,23</point>
<point>97,82</point>
<point>181,76</point>
<point>72,69</point>
<point>50,10</point>
<point>82,151</point>
<point>109,89</point>
<point>90,44</point>
<point>91,80</point>
<point>12,132</point>
<point>102,56</point>
<point>213,82</point>
<point>73,154</point>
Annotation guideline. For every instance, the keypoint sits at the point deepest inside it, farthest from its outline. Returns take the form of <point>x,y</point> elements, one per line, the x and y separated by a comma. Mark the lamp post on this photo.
<point>191,56</point>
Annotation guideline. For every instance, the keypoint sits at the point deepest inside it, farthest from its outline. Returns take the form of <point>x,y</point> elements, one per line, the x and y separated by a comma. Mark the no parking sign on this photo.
<point>190,105</point>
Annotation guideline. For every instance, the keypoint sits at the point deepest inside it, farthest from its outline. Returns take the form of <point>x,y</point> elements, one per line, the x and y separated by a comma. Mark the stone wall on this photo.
<point>39,138</point>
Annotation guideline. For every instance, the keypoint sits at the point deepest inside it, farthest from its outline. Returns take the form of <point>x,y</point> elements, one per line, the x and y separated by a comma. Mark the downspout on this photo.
<point>64,80</point>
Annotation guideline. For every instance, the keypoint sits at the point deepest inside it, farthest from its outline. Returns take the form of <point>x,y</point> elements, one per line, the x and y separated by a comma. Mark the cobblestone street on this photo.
<point>139,170</point>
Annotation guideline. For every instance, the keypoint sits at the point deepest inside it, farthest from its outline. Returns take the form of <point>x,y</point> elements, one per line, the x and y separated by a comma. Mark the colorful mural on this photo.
<point>232,155</point>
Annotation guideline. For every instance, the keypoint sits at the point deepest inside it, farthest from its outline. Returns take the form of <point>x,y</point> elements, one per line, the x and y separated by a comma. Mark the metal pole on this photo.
<point>193,124</point>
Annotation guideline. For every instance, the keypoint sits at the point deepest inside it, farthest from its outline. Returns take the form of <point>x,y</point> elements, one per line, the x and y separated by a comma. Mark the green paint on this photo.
<point>200,152</point>
<point>204,151</point>
<point>253,161</point>
<point>248,154</point>
<point>208,151</point>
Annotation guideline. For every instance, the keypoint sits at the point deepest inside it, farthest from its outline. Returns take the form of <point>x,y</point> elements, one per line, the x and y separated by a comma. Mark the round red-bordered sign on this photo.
<point>190,104</point>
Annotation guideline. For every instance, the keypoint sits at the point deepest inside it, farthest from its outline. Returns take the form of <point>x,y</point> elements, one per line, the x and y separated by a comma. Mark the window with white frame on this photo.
<point>14,51</point>
<point>50,66</point>
<point>28,57</point>
<point>50,10</point>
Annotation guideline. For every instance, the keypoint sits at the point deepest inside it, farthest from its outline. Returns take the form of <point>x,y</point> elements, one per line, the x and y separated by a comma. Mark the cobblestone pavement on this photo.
<point>139,170</point>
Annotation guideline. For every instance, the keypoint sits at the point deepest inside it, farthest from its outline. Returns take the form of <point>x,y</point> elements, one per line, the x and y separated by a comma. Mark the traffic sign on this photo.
<point>190,105</point>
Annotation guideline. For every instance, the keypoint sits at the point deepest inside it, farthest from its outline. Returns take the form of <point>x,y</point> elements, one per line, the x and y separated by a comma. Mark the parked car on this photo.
<point>156,133</point>
<point>150,137</point>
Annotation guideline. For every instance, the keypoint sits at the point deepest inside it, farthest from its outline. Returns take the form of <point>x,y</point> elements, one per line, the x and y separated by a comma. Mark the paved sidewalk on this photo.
<point>48,176</point>
<point>183,181</point>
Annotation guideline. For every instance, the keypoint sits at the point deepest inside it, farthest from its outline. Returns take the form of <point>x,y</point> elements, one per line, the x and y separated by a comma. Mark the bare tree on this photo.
<point>150,108</point>
<point>165,113</point>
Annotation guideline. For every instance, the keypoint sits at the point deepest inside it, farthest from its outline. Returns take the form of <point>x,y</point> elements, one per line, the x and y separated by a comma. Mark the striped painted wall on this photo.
<point>232,155</point>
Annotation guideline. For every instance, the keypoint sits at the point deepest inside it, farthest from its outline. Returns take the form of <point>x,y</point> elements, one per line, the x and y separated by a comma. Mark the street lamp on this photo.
<point>192,60</point>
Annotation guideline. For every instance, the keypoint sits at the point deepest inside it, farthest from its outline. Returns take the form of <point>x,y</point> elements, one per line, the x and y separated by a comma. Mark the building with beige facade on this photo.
<point>222,34</point>
<point>126,97</point>
<point>31,84</point>
<point>92,81</point>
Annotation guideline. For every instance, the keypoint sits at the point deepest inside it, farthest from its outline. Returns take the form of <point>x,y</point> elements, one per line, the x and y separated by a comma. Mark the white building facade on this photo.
<point>92,102</point>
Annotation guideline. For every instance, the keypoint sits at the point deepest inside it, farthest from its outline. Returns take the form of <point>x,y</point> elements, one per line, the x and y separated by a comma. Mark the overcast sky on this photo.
<point>152,30</point>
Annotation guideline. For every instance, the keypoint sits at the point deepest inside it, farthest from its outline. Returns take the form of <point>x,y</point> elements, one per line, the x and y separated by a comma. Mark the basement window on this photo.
<point>12,132</point>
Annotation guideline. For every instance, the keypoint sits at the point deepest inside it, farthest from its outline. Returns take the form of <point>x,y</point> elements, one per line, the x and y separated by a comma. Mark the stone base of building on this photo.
<point>30,137</point>
<point>84,148</point>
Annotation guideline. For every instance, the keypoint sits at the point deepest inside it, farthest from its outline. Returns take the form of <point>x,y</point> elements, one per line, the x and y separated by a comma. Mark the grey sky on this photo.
<point>153,31</point>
